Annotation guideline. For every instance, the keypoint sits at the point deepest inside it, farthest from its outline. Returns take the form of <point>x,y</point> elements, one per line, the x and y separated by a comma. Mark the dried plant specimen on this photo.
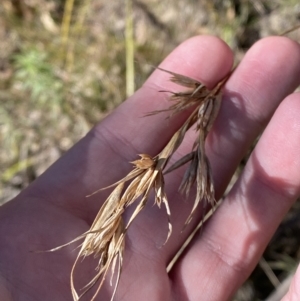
<point>106,238</point>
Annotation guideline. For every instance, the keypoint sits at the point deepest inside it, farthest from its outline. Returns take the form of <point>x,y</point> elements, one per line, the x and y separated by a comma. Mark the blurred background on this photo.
<point>64,65</point>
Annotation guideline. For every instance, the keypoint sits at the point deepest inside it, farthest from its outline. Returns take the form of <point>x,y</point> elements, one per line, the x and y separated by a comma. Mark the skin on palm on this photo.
<point>53,210</point>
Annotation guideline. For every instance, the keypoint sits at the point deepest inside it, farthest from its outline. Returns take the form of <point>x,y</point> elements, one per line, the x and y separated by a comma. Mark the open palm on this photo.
<point>53,210</point>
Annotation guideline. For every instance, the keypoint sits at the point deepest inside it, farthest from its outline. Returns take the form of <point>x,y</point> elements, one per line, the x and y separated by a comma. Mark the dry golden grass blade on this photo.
<point>161,197</point>
<point>134,173</point>
<point>64,245</point>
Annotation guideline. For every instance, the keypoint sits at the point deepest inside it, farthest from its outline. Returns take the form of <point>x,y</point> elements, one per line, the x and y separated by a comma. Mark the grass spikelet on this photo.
<point>195,93</point>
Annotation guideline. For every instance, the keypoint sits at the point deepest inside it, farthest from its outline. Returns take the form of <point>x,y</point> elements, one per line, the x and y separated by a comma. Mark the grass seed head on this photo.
<point>106,238</point>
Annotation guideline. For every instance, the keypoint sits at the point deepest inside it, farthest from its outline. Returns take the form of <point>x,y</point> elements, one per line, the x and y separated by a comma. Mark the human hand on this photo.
<point>53,210</point>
